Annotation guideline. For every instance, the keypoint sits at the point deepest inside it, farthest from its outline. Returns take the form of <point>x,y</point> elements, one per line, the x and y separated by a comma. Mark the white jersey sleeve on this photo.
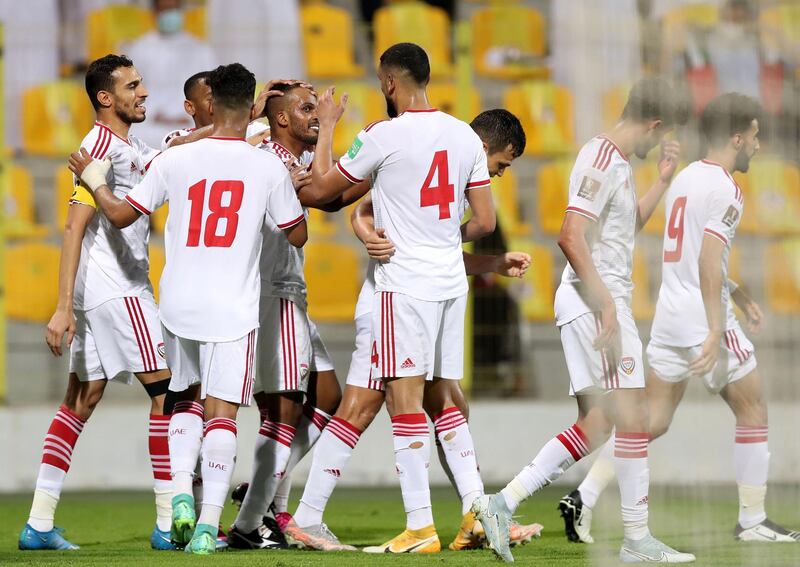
<point>479,177</point>
<point>362,159</point>
<point>150,193</point>
<point>172,135</point>
<point>283,206</point>
<point>724,208</point>
<point>595,189</point>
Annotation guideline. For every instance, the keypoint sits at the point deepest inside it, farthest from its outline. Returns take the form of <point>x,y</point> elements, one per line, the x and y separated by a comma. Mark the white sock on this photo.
<point>281,498</point>
<point>185,441</point>
<point>158,443</point>
<point>598,477</point>
<point>163,493</point>
<point>308,431</point>
<point>60,440</point>
<point>412,455</point>
<point>273,447</point>
<point>751,458</point>
<point>219,458</point>
<point>557,455</point>
<point>455,439</point>
<point>633,476</point>
<point>331,454</point>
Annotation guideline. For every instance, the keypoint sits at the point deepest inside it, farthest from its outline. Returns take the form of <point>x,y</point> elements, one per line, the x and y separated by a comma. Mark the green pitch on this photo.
<point>113,529</point>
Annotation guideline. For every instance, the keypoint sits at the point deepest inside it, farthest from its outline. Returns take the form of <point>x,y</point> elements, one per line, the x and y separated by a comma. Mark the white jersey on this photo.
<point>220,193</point>
<point>703,200</point>
<point>253,128</point>
<point>282,265</point>
<point>601,189</point>
<point>114,263</point>
<point>421,163</point>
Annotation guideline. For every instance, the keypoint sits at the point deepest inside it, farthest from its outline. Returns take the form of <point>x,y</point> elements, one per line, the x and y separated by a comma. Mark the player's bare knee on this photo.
<point>86,398</point>
<point>658,427</point>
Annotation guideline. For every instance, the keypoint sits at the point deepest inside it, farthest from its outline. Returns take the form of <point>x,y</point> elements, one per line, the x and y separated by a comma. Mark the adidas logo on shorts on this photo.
<point>407,363</point>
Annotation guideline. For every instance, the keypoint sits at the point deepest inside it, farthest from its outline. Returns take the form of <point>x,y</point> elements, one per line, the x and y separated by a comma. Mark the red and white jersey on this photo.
<point>113,263</point>
<point>282,265</point>
<point>221,192</point>
<point>703,200</point>
<point>601,188</point>
<point>421,163</point>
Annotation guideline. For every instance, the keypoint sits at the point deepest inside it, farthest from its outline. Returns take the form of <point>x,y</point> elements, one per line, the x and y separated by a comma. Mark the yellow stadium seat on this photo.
<point>194,22</point>
<point>107,27</point>
<point>333,275</point>
<point>320,224</point>
<point>553,195</point>
<point>55,118</point>
<point>445,96</point>
<point>535,291</point>
<point>365,105</point>
<point>772,196</point>
<point>507,204</point>
<point>63,191</point>
<point>158,220</point>
<point>328,42</point>
<point>642,301</point>
<point>416,22</point>
<point>31,281</point>
<point>782,276</point>
<point>158,258</point>
<point>509,31</point>
<point>546,112</point>
<point>20,205</point>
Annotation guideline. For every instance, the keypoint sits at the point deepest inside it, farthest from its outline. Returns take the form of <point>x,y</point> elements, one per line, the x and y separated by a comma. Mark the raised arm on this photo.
<point>483,220</point>
<point>573,243</point>
<point>63,320</point>
<point>670,152</point>
<point>710,266</point>
<point>94,173</point>
<point>327,183</point>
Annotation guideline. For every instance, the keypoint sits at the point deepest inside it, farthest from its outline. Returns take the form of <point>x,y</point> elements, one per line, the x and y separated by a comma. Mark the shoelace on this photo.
<point>323,528</point>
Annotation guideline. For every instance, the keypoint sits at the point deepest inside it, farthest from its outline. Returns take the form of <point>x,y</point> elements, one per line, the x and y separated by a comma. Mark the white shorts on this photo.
<point>736,360</point>
<point>412,337</point>
<point>289,347</point>
<point>224,370</point>
<point>117,339</point>
<point>590,369</point>
<point>360,373</point>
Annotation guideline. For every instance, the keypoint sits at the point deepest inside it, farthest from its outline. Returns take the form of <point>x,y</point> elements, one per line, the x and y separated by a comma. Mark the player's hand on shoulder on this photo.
<point>668,163</point>
<point>378,246</point>
<point>709,352</point>
<point>89,170</point>
<point>328,110</point>
<point>512,264</point>
<point>301,176</point>
<point>62,322</point>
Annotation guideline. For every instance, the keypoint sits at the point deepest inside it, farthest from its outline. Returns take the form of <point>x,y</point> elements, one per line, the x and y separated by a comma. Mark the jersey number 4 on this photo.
<point>443,193</point>
<point>218,211</point>
<point>675,230</point>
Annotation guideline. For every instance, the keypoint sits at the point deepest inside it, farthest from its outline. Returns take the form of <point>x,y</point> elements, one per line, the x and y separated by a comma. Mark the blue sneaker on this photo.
<point>204,540</point>
<point>30,539</point>
<point>183,519</point>
<point>159,540</point>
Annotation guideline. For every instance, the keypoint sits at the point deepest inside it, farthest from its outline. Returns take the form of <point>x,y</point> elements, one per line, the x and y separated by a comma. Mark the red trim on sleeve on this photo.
<point>290,224</point>
<point>716,235</point>
<point>371,125</point>
<point>422,110</point>
<point>350,178</point>
<point>147,165</point>
<point>475,184</point>
<point>583,212</point>
<point>137,206</point>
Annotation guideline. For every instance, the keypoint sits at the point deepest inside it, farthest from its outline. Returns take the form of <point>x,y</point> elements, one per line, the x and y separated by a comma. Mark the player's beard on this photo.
<point>742,160</point>
<point>307,135</point>
<point>130,116</point>
<point>391,109</point>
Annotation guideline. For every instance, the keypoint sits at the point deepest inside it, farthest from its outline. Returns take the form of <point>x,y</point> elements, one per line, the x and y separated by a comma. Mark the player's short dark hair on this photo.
<point>653,98</point>
<point>98,75</point>
<point>193,81</point>
<point>274,103</point>
<point>727,115</point>
<point>232,86</point>
<point>408,57</point>
<point>499,128</point>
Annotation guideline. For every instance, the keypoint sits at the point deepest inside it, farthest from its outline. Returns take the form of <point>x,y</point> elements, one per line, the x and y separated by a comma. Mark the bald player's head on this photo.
<point>294,114</point>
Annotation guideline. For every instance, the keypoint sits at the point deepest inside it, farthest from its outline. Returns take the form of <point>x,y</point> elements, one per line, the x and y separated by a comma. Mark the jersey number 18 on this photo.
<point>218,211</point>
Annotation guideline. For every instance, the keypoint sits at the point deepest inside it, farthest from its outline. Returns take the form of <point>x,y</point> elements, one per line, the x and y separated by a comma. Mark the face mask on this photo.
<point>170,21</point>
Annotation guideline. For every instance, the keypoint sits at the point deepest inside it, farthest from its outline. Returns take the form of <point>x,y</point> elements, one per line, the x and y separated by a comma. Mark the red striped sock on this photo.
<point>158,442</point>
<point>752,433</point>
<point>412,455</point>
<point>316,416</point>
<point>575,442</point>
<point>633,476</point>
<point>61,437</point>
<point>280,432</point>
<point>343,430</point>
